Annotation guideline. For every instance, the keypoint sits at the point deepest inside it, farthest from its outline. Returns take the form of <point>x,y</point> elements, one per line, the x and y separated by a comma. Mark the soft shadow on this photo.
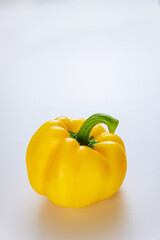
<point>67,223</point>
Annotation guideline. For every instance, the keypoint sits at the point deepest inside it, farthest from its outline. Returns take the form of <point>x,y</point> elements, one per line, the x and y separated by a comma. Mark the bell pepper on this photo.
<point>76,162</point>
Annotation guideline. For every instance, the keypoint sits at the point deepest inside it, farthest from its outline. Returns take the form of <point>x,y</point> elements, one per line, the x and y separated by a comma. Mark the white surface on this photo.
<point>76,58</point>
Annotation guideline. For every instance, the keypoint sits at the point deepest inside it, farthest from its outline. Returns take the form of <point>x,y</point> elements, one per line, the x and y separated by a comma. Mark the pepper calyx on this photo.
<point>91,141</point>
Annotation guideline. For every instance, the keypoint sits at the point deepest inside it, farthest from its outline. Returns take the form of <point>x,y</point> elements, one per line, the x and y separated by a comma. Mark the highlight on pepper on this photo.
<point>76,162</point>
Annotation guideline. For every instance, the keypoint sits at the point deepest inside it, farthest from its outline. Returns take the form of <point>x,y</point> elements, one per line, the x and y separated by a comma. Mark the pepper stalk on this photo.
<point>83,135</point>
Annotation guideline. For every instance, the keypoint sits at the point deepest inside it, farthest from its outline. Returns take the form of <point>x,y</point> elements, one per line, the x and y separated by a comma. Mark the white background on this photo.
<point>76,58</point>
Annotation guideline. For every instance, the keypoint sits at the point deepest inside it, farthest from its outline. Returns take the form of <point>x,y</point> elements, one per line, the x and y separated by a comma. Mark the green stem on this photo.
<point>83,134</point>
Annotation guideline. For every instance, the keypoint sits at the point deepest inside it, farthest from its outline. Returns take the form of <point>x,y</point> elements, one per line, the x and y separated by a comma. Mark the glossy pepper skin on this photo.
<point>73,169</point>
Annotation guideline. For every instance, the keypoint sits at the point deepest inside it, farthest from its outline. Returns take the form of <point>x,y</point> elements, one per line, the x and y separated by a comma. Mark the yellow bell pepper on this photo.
<point>76,162</point>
